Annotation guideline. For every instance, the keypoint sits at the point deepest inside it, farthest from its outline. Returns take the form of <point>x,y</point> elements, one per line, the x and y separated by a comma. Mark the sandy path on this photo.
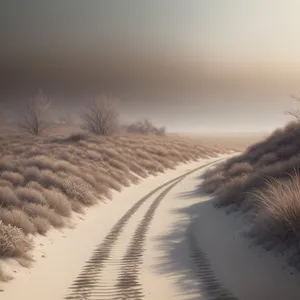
<point>62,255</point>
<point>200,253</point>
<point>155,241</point>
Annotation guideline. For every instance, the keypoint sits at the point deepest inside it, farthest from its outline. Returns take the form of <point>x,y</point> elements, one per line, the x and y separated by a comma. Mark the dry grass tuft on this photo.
<point>214,182</point>
<point>259,184</point>
<point>5,183</point>
<point>30,195</point>
<point>37,210</point>
<point>44,179</point>
<point>239,169</point>
<point>17,218</point>
<point>8,197</point>
<point>42,224</point>
<point>275,157</point>
<point>13,177</point>
<point>13,242</point>
<point>78,190</point>
<point>58,201</point>
<point>278,213</point>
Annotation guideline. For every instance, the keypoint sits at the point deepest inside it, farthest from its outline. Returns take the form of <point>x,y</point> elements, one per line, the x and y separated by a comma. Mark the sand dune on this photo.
<point>161,239</point>
<point>61,255</point>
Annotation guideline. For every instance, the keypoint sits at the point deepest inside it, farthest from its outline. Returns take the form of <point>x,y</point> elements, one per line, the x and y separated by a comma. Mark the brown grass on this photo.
<point>275,157</point>
<point>13,242</point>
<point>13,177</point>
<point>58,202</point>
<point>42,224</point>
<point>8,197</point>
<point>239,169</point>
<point>5,183</point>
<point>258,183</point>
<point>18,218</point>
<point>277,218</point>
<point>36,210</point>
<point>30,195</point>
<point>43,180</point>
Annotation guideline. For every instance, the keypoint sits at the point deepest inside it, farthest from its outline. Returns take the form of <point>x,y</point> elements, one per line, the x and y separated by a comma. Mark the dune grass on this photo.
<point>278,211</point>
<point>44,180</point>
<point>264,183</point>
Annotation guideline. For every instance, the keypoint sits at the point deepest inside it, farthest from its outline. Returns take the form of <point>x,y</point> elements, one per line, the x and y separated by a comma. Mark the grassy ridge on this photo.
<point>264,183</point>
<point>43,180</point>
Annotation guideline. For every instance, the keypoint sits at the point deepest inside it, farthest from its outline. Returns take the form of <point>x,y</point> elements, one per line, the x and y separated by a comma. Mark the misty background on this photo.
<point>192,65</point>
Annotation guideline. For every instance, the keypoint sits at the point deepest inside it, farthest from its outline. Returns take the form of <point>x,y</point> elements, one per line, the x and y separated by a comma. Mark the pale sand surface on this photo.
<point>61,255</point>
<point>224,256</point>
<point>190,250</point>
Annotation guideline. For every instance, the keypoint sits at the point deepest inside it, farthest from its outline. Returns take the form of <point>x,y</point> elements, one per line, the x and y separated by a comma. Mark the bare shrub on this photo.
<point>34,114</point>
<point>294,113</point>
<point>101,117</point>
<point>13,242</point>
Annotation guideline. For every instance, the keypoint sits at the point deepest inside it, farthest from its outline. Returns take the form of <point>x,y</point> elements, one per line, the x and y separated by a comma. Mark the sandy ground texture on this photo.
<point>161,239</point>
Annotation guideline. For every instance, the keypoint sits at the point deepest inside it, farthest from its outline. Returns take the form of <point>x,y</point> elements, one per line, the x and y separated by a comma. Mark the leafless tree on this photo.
<point>101,117</point>
<point>294,113</point>
<point>33,118</point>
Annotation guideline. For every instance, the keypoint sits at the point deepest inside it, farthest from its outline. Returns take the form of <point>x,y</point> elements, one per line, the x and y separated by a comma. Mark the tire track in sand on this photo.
<point>208,282</point>
<point>128,285</point>
<point>88,280</point>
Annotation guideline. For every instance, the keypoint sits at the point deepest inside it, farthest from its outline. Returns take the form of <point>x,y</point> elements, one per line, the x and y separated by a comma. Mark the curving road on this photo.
<point>115,267</point>
<point>161,239</point>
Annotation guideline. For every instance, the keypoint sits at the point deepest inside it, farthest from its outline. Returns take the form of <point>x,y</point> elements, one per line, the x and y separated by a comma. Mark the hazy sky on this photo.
<point>195,29</point>
<point>192,30</point>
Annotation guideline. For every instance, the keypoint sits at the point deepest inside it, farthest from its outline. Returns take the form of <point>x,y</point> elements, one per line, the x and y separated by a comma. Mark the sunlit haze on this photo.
<point>250,47</point>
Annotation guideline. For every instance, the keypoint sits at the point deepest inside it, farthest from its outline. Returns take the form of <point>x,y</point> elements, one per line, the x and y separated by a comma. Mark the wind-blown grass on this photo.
<point>264,183</point>
<point>44,180</point>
